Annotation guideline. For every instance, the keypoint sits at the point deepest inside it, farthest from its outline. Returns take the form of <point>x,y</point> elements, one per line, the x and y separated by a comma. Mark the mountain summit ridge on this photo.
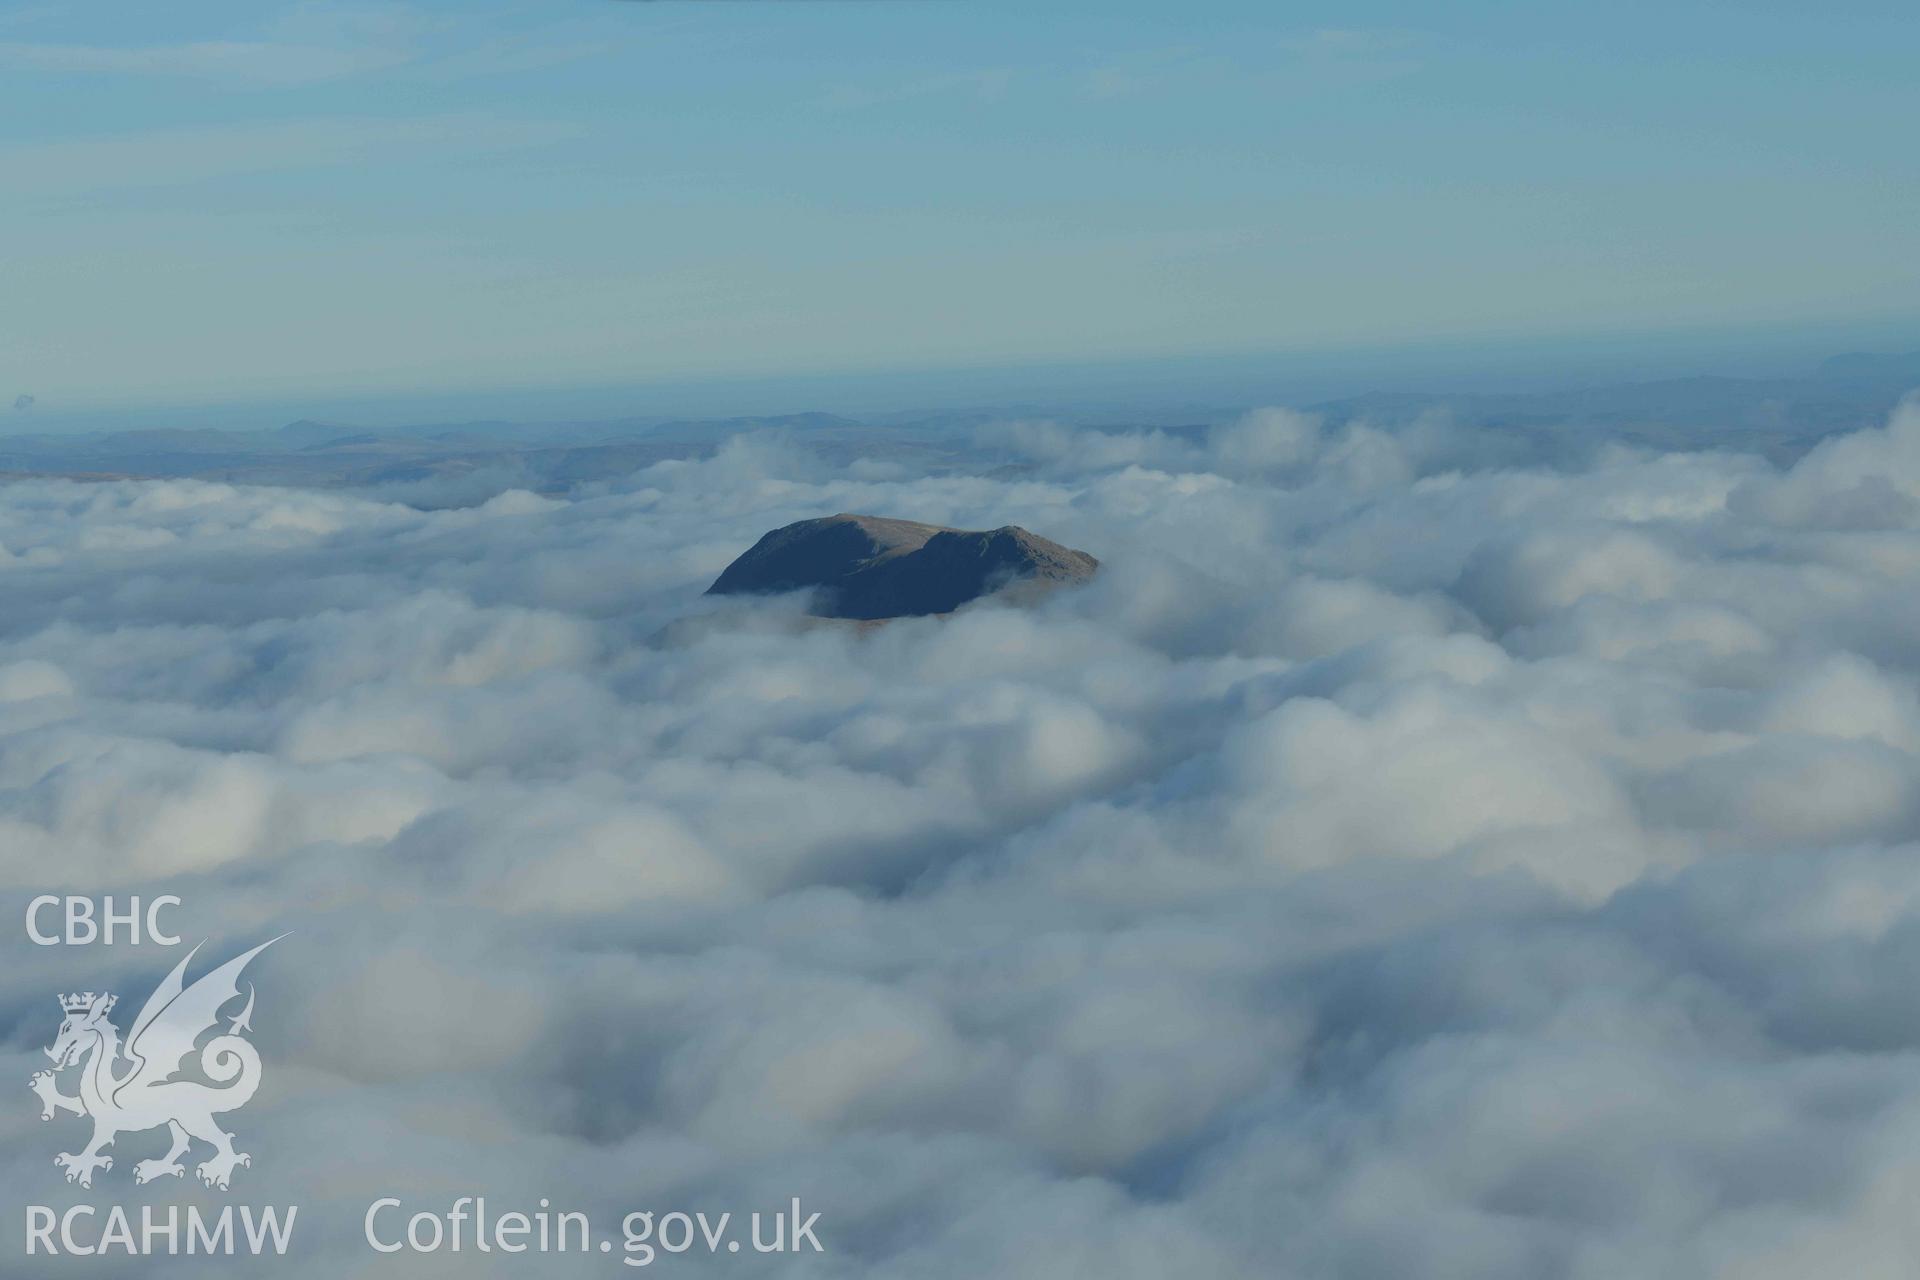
<point>873,567</point>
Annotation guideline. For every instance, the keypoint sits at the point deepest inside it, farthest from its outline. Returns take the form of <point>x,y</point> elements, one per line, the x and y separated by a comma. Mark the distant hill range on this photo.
<point>1779,418</point>
<point>872,567</point>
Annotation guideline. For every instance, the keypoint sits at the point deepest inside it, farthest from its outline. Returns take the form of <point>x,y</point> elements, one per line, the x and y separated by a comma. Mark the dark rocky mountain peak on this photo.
<point>871,567</point>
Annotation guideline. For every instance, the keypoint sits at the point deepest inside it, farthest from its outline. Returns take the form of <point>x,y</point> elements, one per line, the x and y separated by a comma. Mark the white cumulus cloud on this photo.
<point>1407,857</point>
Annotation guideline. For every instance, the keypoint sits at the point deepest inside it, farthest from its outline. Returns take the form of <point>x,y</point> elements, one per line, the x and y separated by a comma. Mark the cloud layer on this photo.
<point>1405,858</point>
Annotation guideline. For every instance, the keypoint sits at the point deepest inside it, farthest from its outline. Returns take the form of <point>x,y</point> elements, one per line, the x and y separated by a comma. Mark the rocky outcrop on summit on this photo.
<point>871,567</point>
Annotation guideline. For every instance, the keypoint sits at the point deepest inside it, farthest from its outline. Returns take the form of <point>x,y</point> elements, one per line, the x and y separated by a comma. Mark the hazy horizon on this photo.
<point>233,203</point>
<point>1146,386</point>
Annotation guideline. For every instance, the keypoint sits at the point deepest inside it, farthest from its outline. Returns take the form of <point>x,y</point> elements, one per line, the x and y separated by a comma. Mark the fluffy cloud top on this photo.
<point>1404,859</point>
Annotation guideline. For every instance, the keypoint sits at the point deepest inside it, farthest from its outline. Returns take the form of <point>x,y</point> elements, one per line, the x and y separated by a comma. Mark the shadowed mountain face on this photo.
<point>870,567</point>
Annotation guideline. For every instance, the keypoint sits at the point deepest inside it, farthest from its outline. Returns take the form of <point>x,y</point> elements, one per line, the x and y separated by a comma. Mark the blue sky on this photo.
<point>215,202</point>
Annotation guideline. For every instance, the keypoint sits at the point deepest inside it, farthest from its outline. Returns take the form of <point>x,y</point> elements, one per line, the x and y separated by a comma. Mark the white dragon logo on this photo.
<point>147,1094</point>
